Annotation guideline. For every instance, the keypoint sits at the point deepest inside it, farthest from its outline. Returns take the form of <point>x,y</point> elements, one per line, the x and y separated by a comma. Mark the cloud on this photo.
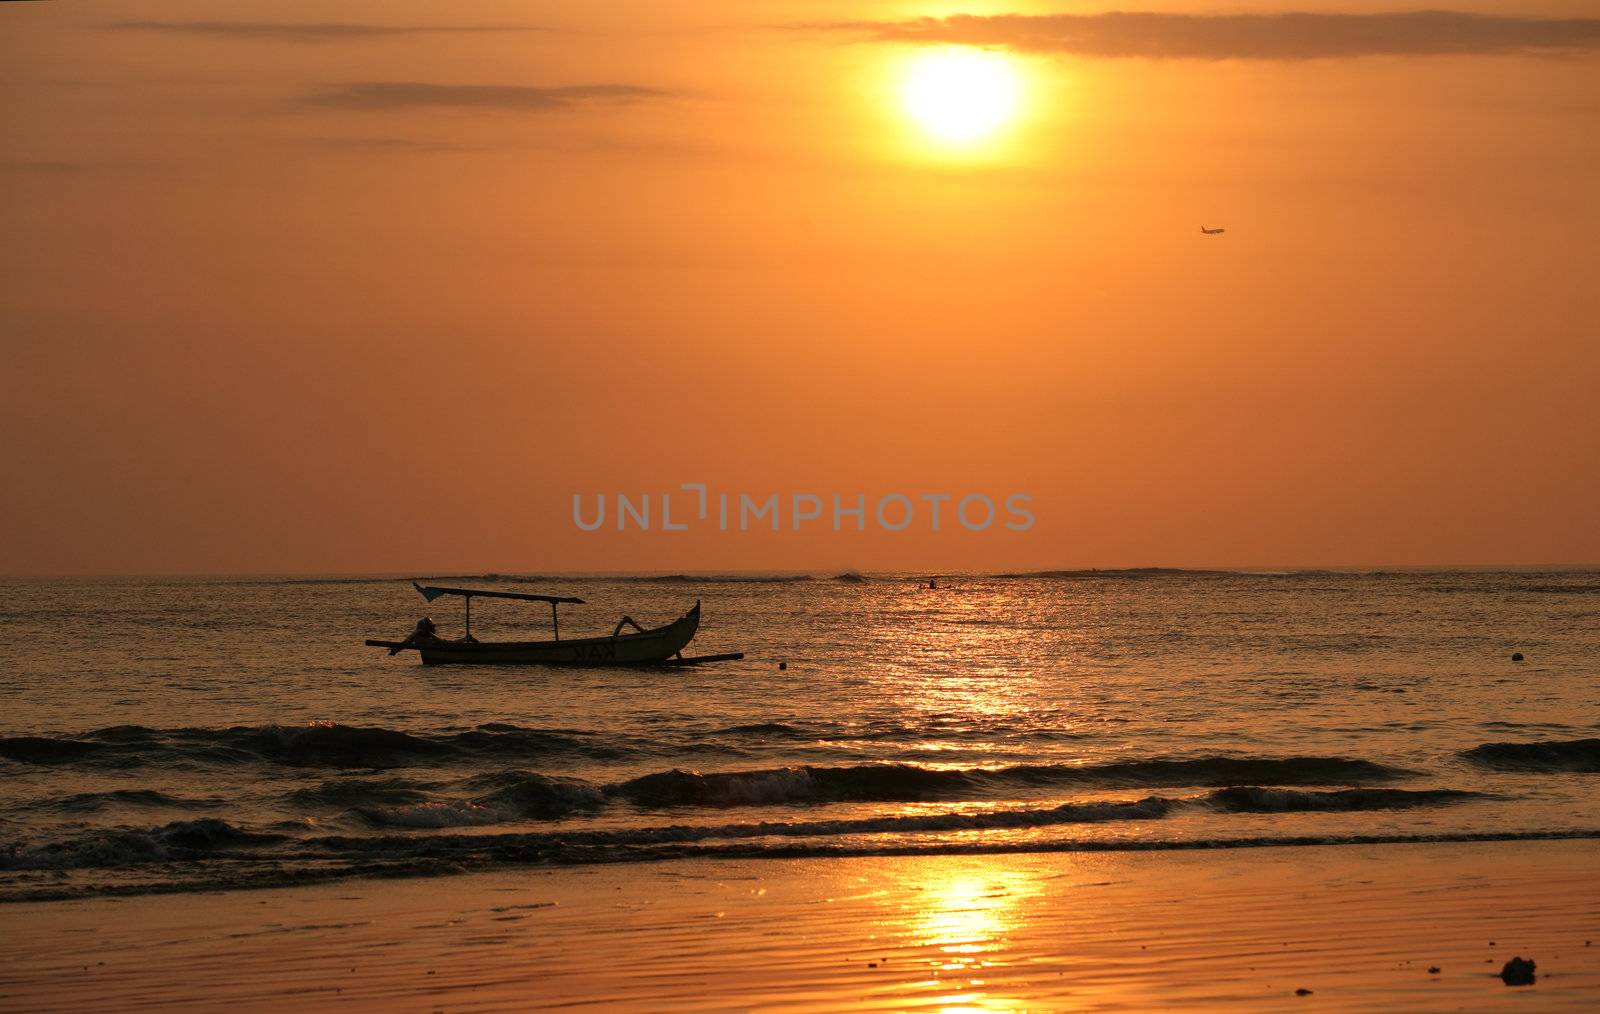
<point>1284,36</point>
<point>378,95</point>
<point>396,145</point>
<point>318,31</point>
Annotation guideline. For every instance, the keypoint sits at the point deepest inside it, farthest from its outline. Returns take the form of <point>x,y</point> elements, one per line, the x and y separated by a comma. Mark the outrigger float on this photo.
<point>658,646</point>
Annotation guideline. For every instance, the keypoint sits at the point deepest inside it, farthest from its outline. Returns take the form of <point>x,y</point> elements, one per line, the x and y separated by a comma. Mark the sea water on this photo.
<point>197,733</point>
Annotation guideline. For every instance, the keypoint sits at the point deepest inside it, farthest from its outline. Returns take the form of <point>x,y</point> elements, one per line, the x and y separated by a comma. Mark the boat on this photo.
<point>657,646</point>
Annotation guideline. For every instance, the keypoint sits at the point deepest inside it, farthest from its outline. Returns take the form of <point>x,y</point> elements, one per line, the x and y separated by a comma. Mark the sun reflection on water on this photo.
<point>966,920</point>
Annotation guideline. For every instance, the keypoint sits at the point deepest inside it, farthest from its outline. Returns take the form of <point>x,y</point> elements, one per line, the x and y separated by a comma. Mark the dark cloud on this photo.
<point>1285,36</point>
<point>396,145</point>
<point>328,31</point>
<point>414,94</point>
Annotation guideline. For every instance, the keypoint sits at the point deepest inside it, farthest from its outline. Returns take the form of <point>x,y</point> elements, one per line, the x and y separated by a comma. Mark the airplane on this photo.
<point>1212,232</point>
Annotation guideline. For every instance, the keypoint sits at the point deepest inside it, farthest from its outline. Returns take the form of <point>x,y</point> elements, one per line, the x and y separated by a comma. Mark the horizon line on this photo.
<point>397,575</point>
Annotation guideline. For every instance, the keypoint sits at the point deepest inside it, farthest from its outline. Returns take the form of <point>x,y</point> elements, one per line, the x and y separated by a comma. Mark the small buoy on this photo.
<point>1516,656</point>
<point>783,665</point>
<point>1433,969</point>
<point>1302,991</point>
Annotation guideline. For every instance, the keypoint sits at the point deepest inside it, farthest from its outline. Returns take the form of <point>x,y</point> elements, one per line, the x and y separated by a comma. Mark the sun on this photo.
<point>960,96</point>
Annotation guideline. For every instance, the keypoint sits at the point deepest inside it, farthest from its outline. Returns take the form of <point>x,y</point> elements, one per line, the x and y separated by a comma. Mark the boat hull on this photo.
<point>649,647</point>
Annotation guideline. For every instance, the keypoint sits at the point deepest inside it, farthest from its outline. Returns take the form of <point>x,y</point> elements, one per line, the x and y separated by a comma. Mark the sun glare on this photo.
<point>960,96</point>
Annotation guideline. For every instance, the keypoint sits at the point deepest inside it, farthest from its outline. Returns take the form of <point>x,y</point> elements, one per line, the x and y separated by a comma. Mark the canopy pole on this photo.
<point>555,624</point>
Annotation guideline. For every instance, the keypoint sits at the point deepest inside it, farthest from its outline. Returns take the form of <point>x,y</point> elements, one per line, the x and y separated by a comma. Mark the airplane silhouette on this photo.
<point>1212,232</point>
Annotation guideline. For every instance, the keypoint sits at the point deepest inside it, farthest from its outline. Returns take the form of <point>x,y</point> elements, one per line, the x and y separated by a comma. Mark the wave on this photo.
<point>354,792</point>
<point>521,795</point>
<point>516,795</point>
<point>1546,755</point>
<point>510,796</point>
<point>121,847</point>
<point>322,745</point>
<point>44,750</point>
<point>908,783</point>
<point>533,795</point>
<point>1255,799</point>
<point>270,875</point>
<point>359,747</point>
<point>90,802</point>
<point>201,840</point>
<point>1241,799</point>
<point>433,814</point>
<point>963,727</point>
<point>777,730</point>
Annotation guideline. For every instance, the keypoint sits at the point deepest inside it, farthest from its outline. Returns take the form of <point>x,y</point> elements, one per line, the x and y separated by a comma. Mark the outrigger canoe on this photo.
<point>659,646</point>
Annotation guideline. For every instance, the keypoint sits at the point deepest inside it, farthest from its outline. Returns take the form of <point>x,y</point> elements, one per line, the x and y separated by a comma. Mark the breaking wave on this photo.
<point>1255,799</point>
<point>908,783</point>
<point>521,796</point>
<point>349,747</point>
<point>191,840</point>
<point>354,792</point>
<point>1547,755</point>
<point>495,851</point>
<point>516,795</point>
<point>208,839</point>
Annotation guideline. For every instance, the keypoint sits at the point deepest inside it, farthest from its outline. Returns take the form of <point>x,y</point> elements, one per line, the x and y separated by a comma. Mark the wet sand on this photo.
<point>1360,927</point>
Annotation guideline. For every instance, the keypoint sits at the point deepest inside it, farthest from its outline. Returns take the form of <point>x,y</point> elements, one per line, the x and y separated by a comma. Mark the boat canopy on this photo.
<point>431,593</point>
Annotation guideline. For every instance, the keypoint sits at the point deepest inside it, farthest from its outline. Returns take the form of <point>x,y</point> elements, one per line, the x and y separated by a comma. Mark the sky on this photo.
<point>298,287</point>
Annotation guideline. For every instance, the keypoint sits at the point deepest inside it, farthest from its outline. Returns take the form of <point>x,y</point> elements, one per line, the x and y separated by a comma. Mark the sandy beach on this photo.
<point>1359,927</point>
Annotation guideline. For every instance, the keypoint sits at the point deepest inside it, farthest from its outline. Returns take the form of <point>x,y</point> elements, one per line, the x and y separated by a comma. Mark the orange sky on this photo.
<point>279,297</point>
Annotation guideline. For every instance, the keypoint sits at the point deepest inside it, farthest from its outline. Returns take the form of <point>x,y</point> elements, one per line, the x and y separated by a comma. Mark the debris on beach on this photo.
<point>1518,972</point>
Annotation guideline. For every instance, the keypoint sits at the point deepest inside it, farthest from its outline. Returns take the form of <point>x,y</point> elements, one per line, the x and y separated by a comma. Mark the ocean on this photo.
<point>212,733</point>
